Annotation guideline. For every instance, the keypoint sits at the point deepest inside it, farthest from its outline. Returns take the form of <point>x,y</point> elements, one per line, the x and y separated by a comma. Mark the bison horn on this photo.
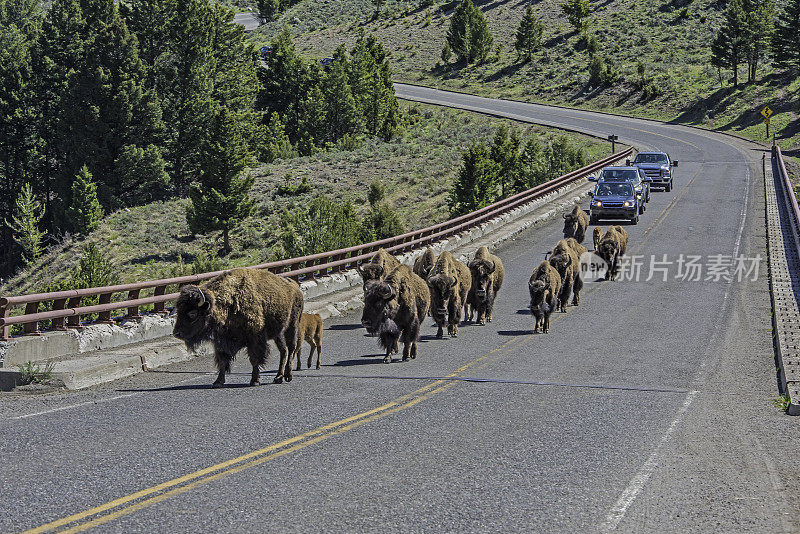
<point>455,281</point>
<point>380,269</point>
<point>492,268</point>
<point>565,215</point>
<point>202,298</point>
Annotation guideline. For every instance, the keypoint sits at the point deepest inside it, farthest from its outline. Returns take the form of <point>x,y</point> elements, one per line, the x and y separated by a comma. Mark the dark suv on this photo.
<point>614,200</point>
<point>658,167</point>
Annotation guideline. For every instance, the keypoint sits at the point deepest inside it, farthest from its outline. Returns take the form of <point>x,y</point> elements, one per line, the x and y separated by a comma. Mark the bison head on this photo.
<point>570,225</point>
<point>371,271</point>
<point>540,294</point>
<point>193,311</point>
<point>561,262</point>
<point>481,277</point>
<point>442,287</point>
<point>380,305</point>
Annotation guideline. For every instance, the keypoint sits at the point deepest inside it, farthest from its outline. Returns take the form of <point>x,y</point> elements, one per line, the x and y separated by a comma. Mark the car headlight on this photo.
<point>598,204</point>
<point>627,203</point>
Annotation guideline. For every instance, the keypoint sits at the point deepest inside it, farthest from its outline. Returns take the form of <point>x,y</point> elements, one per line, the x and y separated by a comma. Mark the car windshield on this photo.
<point>614,190</point>
<point>618,175</point>
<point>650,158</point>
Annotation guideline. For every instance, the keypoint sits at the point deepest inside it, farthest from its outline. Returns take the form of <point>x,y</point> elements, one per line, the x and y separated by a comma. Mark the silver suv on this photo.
<point>657,166</point>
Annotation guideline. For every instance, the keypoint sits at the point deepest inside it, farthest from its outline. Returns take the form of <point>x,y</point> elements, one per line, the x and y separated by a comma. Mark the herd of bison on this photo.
<point>245,308</point>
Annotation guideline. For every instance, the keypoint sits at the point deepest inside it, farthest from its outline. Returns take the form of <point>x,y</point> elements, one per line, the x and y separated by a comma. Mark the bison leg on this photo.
<point>576,291</point>
<point>566,289</point>
<point>546,325</point>
<point>489,305</point>
<point>440,332</point>
<point>285,363</point>
<point>223,360</point>
<point>257,352</point>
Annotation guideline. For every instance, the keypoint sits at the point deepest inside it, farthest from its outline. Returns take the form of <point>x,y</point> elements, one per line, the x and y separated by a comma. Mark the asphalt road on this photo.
<point>248,20</point>
<point>646,409</point>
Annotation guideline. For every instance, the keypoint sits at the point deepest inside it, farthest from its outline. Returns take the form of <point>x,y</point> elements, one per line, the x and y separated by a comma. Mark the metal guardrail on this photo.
<point>791,198</point>
<point>66,309</point>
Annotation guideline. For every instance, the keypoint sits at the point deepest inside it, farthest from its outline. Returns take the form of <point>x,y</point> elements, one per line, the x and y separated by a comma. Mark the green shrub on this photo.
<point>31,373</point>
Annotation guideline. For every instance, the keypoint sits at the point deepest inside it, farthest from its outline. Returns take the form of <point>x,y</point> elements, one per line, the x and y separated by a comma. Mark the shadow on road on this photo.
<point>345,327</point>
<point>513,333</point>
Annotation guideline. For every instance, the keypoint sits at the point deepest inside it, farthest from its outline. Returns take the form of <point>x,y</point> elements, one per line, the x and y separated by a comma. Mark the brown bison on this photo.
<point>239,309</point>
<point>597,234</point>
<point>449,282</point>
<point>395,308</point>
<point>575,224</point>
<point>381,264</point>
<point>612,246</point>
<point>424,264</point>
<point>487,278</point>
<point>566,261</point>
<point>311,333</point>
<point>544,287</point>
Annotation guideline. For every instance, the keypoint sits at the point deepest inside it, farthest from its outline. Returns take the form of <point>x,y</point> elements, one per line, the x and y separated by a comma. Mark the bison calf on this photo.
<point>544,287</point>
<point>395,308</point>
<point>575,224</point>
<point>311,333</point>
<point>238,309</point>
<point>487,279</point>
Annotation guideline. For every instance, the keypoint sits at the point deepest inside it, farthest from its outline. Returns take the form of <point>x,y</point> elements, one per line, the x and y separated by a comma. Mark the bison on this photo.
<point>544,287</point>
<point>575,224</point>
<point>424,264</point>
<point>487,278</point>
<point>311,333</point>
<point>239,309</point>
<point>566,261</point>
<point>381,264</point>
<point>449,282</point>
<point>395,308</point>
<point>612,246</point>
<point>597,234</point>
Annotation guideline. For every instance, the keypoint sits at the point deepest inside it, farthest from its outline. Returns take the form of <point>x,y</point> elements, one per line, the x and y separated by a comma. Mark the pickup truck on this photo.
<point>657,166</point>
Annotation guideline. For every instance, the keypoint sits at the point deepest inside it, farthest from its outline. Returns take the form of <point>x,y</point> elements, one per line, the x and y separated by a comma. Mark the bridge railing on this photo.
<point>65,309</point>
<point>791,198</point>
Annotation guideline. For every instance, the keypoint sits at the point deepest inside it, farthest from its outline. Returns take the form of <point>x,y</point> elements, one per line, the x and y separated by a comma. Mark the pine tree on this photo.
<point>220,198</point>
<point>151,21</point>
<point>25,225</point>
<point>144,175</point>
<point>578,13</point>
<point>786,41</point>
<point>447,53</point>
<point>529,34</point>
<point>274,143</point>
<point>728,48</point>
<point>341,111</point>
<point>476,183</point>
<point>480,38</point>
<point>458,33</point>
<point>760,27</point>
<point>20,143</point>
<point>505,152</point>
<point>84,212</point>
<point>268,10</point>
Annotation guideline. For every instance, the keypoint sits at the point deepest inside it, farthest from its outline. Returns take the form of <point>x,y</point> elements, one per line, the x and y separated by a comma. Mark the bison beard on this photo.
<point>389,333</point>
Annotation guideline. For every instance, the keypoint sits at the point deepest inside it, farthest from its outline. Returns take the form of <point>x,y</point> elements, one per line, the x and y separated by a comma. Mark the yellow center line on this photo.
<point>230,466</point>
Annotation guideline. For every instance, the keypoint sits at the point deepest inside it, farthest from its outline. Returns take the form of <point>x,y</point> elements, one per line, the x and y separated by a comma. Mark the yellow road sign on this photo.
<point>766,112</point>
<point>766,121</point>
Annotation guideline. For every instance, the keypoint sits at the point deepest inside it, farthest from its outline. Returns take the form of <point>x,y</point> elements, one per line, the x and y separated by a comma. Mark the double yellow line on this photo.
<point>128,504</point>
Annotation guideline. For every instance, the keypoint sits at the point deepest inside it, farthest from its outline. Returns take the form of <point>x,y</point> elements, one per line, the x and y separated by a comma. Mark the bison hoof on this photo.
<point>217,385</point>
<point>387,359</point>
<point>406,358</point>
<point>288,378</point>
<point>318,366</point>
<point>255,383</point>
<point>278,380</point>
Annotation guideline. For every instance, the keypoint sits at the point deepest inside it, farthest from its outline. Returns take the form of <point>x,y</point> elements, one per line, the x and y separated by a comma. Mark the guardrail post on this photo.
<point>74,321</point>
<point>5,330</point>
<point>105,316</point>
<point>159,307</point>
<point>133,311</point>
<point>58,322</point>
<point>31,329</point>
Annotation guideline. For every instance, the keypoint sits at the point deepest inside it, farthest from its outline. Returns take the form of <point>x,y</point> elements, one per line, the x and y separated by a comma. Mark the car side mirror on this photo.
<point>591,194</point>
<point>674,163</point>
<point>627,163</point>
<point>592,178</point>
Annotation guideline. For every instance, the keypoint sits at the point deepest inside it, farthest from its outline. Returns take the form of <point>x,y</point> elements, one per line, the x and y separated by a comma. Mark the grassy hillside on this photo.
<point>417,170</point>
<point>672,43</point>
